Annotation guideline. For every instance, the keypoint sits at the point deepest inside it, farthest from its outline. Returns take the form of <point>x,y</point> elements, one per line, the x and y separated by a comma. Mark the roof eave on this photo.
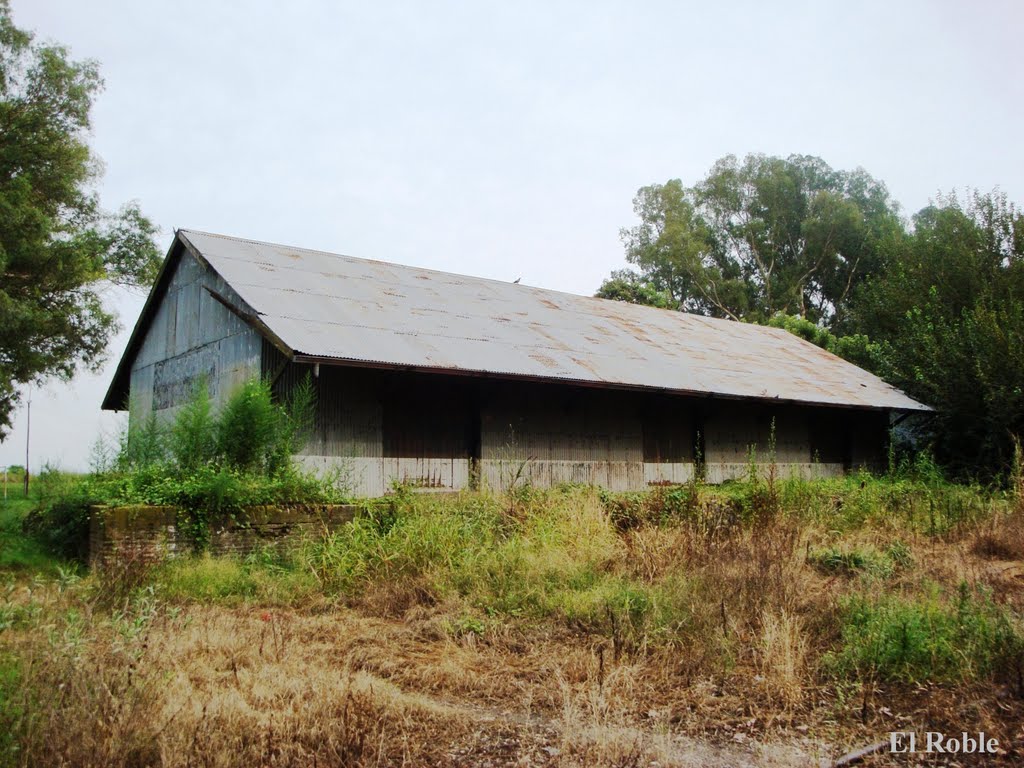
<point>301,357</point>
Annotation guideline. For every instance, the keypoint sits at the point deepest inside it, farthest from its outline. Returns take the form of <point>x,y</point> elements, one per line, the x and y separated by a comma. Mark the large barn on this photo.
<point>447,381</point>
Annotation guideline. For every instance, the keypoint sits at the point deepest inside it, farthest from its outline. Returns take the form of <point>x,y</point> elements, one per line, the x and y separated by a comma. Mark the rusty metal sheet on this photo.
<point>330,306</point>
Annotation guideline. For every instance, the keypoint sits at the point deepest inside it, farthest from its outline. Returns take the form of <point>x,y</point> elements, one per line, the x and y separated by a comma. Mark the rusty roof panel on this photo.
<point>325,305</point>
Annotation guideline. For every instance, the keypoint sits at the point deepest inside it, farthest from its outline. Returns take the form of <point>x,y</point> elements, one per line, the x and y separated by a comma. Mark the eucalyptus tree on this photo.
<point>757,238</point>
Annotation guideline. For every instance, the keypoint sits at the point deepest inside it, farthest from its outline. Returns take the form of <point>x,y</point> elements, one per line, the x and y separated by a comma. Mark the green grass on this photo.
<point>928,637</point>
<point>852,560</point>
<point>233,581</point>
<point>18,552</point>
<point>910,504</point>
<point>11,709</point>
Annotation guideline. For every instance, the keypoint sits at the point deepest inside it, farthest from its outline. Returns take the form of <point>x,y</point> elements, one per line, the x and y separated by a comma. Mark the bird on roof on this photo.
<point>516,281</point>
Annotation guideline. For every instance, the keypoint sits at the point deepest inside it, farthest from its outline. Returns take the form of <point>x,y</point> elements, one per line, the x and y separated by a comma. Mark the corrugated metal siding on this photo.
<point>192,337</point>
<point>548,435</point>
<point>347,435</point>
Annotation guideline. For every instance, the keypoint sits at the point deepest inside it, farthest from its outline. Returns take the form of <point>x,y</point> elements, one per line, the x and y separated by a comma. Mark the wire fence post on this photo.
<point>28,432</point>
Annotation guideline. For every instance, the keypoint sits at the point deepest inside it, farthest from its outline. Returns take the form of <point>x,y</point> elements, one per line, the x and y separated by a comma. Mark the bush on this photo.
<point>903,640</point>
<point>193,438</point>
<point>211,466</point>
<point>633,509</point>
<point>868,560</point>
<point>61,520</point>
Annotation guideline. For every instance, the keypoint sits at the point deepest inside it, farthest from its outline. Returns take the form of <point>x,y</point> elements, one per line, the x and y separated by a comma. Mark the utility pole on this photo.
<point>28,431</point>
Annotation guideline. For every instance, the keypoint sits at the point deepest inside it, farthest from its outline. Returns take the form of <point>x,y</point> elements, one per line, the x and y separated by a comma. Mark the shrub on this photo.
<point>853,560</point>
<point>250,429</point>
<point>144,445</point>
<point>193,438</point>
<point>61,520</point>
<point>211,466</point>
<point>633,509</point>
<point>905,640</point>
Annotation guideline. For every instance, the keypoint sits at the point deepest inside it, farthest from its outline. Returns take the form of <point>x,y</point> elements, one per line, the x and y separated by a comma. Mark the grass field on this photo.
<point>19,553</point>
<point>761,623</point>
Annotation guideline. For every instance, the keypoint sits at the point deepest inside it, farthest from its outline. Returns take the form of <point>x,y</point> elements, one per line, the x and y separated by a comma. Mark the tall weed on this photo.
<point>210,465</point>
<point>925,639</point>
<point>193,438</point>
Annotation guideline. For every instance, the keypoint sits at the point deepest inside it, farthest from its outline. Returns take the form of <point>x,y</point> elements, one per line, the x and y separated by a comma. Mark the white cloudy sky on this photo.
<point>507,139</point>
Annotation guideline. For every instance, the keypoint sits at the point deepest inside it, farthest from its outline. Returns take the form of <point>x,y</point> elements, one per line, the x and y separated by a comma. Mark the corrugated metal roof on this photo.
<point>328,306</point>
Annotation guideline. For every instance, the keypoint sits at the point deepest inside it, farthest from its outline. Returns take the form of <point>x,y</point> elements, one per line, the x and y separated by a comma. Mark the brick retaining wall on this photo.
<point>152,533</point>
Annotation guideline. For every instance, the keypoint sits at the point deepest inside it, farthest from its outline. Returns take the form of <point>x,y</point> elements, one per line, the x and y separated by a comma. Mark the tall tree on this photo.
<point>948,315</point>
<point>57,245</point>
<point>754,239</point>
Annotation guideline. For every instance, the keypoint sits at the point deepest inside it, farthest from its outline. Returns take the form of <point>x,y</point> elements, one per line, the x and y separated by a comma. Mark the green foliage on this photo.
<point>299,419</point>
<point>916,497</point>
<point>57,246</point>
<point>211,466</point>
<point>60,523</point>
<point>927,505</point>
<point>632,509</point>
<point>250,428</point>
<point>632,288</point>
<point>948,316</point>
<point>193,438</point>
<point>19,552</point>
<point>757,238</point>
<point>857,348</point>
<point>856,560</point>
<point>905,640</point>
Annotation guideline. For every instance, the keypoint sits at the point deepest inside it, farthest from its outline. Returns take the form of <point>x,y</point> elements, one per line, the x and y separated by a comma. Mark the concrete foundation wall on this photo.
<point>144,534</point>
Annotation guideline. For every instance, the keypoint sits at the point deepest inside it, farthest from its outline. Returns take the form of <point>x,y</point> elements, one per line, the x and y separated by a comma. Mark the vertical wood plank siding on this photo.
<point>378,427</point>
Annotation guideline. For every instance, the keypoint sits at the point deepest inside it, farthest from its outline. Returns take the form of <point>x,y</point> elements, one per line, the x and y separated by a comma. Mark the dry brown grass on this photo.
<point>222,687</point>
<point>216,687</point>
<point>784,651</point>
<point>387,677</point>
<point>1001,537</point>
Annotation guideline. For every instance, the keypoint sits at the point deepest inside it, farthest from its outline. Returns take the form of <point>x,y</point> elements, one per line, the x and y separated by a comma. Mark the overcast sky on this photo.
<point>507,139</point>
